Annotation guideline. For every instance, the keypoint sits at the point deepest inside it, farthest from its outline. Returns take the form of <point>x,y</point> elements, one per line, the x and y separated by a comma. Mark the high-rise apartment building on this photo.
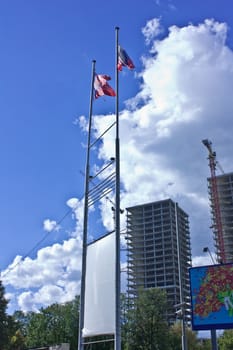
<point>159,252</point>
<point>225,212</point>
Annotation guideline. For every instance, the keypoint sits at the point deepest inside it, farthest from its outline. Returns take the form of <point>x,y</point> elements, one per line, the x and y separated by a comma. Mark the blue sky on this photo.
<point>46,52</point>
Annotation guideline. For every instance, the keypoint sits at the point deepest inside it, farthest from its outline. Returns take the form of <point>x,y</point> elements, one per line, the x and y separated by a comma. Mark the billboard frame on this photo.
<point>211,289</point>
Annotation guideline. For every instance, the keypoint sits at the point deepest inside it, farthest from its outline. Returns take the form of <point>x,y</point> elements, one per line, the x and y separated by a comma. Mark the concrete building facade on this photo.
<point>159,251</point>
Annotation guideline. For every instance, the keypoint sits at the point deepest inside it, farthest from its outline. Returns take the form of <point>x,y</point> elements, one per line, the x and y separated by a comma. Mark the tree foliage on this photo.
<point>8,326</point>
<point>17,341</point>
<point>146,327</point>
<point>53,325</point>
<point>193,343</point>
<point>3,317</point>
<point>226,340</point>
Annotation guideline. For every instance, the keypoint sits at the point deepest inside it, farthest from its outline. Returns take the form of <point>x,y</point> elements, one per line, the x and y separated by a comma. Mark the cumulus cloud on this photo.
<point>46,295</point>
<point>52,276</point>
<point>58,265</point>
<point>51,225</point>
<point>185,96</point>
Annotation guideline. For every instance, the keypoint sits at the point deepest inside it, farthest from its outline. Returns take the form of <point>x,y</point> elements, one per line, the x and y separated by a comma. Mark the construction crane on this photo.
<point>218,228</point>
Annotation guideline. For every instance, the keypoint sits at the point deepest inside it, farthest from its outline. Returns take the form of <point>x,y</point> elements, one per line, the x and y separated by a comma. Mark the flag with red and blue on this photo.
<point>101,86</point>
<point>124,60</point>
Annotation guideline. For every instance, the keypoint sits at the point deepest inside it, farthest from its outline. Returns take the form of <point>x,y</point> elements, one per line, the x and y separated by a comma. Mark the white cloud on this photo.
<point>47,295</point>
<point>185,96</point>
<point>151,30</point>
<point>51,225</point>
<point>202,260</point>
<point>82,122</point>
<point>77,208</point>
<point>26,302</point>
<point>52,276</point>
<point>53,263</point>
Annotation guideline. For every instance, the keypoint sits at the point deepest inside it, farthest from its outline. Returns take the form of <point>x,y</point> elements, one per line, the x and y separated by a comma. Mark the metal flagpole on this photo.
<point>117,209</point>
<point>85,216</point>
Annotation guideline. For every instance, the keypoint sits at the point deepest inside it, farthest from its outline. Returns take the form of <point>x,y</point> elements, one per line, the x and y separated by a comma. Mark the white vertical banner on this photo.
<point>99,309</point>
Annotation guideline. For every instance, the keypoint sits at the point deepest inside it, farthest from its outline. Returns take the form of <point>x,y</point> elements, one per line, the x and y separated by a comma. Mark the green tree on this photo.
<point>7,324</point>
<point>205,344</point>
<point>3,318</point>
<point>22,320</point>
<point>226,340</point>
<point>17,341</point>
<point>146,326</point>
<point>193,343</point>
<point>53,325</point>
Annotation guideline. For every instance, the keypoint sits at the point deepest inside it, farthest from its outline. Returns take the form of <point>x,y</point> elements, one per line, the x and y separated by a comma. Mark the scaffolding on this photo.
<point>225,199</point>
<point>216,206</point>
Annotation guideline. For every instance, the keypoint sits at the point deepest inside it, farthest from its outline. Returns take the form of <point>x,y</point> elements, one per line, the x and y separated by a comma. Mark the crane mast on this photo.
<point>218,228</point>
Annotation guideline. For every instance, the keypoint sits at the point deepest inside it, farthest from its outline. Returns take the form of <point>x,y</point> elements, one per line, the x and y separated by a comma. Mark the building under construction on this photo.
<point>223,244</point>
<point>159,253</point>
<point>221,203</point>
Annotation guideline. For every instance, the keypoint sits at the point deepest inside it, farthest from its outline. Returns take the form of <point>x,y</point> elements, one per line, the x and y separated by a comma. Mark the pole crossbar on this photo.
<point>93,201</point>
<point>100,137</point>
<point>103,169</point>
<point>99,341</point>
<point>102,185</point>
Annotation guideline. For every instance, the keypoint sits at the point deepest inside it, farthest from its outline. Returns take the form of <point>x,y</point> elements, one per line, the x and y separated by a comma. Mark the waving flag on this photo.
<point>102,87</point>
<point>124,60</point>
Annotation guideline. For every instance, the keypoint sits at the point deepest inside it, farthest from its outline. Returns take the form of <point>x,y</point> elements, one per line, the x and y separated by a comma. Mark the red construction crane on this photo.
<point>215,199</point>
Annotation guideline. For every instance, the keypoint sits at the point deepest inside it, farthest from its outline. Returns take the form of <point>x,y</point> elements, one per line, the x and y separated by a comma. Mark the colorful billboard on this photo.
<point>212,296</point>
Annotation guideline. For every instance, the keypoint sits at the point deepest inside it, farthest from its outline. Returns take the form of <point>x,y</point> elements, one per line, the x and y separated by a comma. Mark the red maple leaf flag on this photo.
<point>101,86</point>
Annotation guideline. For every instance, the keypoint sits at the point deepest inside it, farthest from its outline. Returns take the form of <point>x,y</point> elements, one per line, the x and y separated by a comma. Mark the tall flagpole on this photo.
<point>85,217</point>
<point>117,209</point>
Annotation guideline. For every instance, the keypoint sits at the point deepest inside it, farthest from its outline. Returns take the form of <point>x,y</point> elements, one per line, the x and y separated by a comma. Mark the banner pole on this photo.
<point>117,208</point>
